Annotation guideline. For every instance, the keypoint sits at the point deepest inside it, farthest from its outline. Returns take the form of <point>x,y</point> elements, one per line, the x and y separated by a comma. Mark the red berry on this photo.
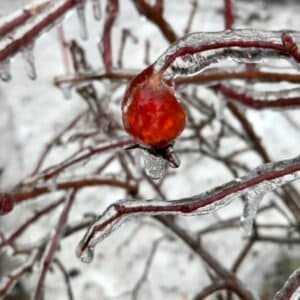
<point>7,203</point>
<point>151,112</point>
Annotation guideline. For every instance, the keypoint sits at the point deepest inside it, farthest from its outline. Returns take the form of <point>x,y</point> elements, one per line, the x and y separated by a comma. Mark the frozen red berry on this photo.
<point>151,112</point>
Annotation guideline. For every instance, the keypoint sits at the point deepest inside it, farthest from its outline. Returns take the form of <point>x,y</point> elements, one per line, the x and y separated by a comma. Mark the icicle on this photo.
<point>249,213</point>
<point>66,89</point>
<point>82,21</point>
<point>28,56</point>
<point>5,74</point>
<point>97,9</point>
<point>155,166</point>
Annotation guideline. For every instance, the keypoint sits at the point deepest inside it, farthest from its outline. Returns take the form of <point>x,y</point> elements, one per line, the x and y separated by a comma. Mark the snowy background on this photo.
<point>31,112</point>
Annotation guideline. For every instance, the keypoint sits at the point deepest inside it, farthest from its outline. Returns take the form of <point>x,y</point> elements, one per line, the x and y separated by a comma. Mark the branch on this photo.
<point>53,244</point>
<point>290,287</point>
<point>68,184</point>
<point>155,15</point>
<point>249,45</point>
<point>112,8</point>
<point>259,104</point>
<point>229,20</point>
<point>87,153</point>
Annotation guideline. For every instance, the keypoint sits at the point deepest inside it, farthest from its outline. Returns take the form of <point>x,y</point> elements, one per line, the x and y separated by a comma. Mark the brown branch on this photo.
<point>37,215</point>
<point>258,104</point>
<point>191,17</point>
<point>55,140</point>
<point>250,74</point>
<point>53,244</point>
<point>68,184</point>
<point>228,277</point>
<point>112,8</point>
<point>66,277</point>
<point>91,151</point>
<point>206,77</point>
<point>228,14</point>
<point>22,16</point>
<point>154,14</point>
<point>215,287</point>
<point>11,279</point>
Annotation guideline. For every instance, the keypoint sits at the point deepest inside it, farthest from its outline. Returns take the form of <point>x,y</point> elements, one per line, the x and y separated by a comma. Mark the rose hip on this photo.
<point>151,112</point>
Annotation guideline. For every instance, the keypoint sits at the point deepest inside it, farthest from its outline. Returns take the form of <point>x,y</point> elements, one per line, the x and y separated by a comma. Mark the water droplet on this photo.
<point>155,166</point>
<point>97,9</point>
<point>82,21</point>
<point>5,74</point>
<point>28,56</point>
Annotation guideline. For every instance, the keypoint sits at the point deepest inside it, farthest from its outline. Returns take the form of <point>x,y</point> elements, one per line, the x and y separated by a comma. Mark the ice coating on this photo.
<point>21,38</point>
<point>97,9</point>
<point>261,180</point>
<point>28,56</point>
<point>191,64</point>
<point>265,95</point>
<point>249,213</point>
<point>155,166</point>
<point>5,73</point>
<point>242,45</point>
<point>82,21</point>
<point>291,289</point>
<point>66,90</point>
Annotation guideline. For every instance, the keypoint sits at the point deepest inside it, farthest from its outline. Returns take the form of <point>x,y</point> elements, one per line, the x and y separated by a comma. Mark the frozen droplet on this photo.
<point>28,56</point>
<point>87,255</point>
<point>155,166</point>
<point>5,74</point>
<point>97,9</point>
<point>82,21</point>
<point>66,89</point>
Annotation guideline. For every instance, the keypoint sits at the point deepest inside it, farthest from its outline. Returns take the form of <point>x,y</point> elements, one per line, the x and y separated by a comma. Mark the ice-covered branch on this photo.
<point>260,181</point>
<point>291,289</point>
<point>53,244</point>
<point>77,183</point>
<point>20,31</point>
<point>287,98</point>
<point>112,8</point>
<point>154,13</point>
<point>82,156</point>
<point>252,45</point>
